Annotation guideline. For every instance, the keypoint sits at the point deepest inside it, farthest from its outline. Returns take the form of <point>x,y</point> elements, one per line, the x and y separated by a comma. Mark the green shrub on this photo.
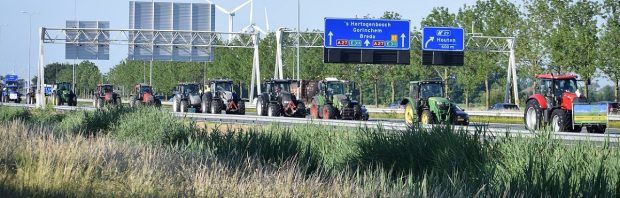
<point>13,113</point>
<point>151,125</point>
<point>92,122</point>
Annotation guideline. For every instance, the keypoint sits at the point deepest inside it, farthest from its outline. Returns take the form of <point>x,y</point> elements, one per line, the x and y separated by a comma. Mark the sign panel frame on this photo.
<point>351,33</point>
<point>443,39</point>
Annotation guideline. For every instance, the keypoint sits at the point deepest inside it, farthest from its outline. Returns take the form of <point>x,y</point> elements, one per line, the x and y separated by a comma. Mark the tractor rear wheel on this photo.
<point>532,115</point>
<point>559,121</point>
<point>99,103</point>
<point>132,102</point>
<point>328,112</point>
<point>273,110</point>
<point>357,112</point>
<point>175,104</point>
<point>409,115</point>
<point>427,117</point>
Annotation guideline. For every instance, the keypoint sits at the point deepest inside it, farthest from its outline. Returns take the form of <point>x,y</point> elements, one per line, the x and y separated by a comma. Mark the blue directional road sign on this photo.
<point>443,39</point>
<point>10,78</point>
<point>366,34</point>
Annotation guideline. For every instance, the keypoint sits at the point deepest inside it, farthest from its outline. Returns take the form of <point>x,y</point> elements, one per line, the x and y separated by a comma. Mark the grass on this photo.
<point>144,153</point>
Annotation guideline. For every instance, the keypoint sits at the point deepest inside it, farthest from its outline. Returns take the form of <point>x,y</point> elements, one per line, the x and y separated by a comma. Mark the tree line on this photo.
<point>552,36</point>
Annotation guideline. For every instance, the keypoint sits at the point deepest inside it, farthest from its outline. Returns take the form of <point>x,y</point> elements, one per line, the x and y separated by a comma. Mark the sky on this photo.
<point>15,30</point>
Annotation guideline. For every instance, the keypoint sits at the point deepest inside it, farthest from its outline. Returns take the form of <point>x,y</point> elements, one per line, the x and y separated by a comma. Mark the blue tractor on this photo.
<point>10,91</point>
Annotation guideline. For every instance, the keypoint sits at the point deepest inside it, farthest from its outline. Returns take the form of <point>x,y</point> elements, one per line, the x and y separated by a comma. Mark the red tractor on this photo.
<point>559,104</point>
<point>104,95</point>
<point>143,94</point>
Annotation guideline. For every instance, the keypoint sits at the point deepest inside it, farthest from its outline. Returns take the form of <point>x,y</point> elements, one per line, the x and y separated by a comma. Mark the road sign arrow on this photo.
<point>430,39</point>
<point>366,42</point>
<point>402,38</point>
<point>330,37</point>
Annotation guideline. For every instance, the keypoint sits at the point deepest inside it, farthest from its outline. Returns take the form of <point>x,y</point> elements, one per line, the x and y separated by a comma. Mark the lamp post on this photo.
<point>29,45</point>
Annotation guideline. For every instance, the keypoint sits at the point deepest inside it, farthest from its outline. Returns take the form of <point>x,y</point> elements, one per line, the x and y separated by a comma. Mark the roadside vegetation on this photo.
<point>125,152</point>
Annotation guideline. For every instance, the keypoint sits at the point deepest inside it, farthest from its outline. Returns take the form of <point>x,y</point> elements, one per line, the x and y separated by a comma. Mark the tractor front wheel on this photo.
<point>261,107</point>
<point>314,111</point>
<point>558,121</point>
<point>328,112</point>
<point>183,106</point>
<point>427,117</point>
<point>596,129</point>
<point>301,110</point>
<point>216,107</point>
<point>273,110</point>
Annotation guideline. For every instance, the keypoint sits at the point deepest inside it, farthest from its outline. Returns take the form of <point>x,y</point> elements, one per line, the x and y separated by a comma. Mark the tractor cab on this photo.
<point>141,89</point>
<point>420,90</point>
<point>188,88</point>
<point>333,87</point>
<point>221,85</point>
<point>275,87</point>
<point>104,88</point>
<point>556,86</point>
<point>63,86</point>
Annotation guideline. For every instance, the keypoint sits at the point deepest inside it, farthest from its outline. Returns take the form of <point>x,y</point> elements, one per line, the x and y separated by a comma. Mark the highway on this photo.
<point>493,130</point>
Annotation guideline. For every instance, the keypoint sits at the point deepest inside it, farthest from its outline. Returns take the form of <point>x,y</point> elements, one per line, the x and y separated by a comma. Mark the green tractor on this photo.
<point>64,95</point>
<point>334,101</point>
<point>428,105</point>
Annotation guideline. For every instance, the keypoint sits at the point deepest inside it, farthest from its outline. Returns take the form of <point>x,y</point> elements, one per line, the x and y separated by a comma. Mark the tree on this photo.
<point>610,38</point>
<point>441,17</point>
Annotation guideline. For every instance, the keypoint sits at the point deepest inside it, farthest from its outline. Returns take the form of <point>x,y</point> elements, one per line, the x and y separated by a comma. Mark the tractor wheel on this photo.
<point>175,104</point>
<point>596,129</point>
<point>28,100</point>
<point>301,110</point>
<point>532,115</point>
<point>99,103</point>
<point>357,112</point>
<point>205,106</point>
<point>118,102</point>
<point>558,121</point>
<point>157,103</point>
<point>216,107</point>
<point>132,102</point>
<point>328,112</point>
<point>314,111</point>
<point>427,117</point>
<point>261,107</point>
<point>58,100</point>
<point>183,107</point>
<point>409,114</point>
<point>273,110</point>
<point>241,108</point>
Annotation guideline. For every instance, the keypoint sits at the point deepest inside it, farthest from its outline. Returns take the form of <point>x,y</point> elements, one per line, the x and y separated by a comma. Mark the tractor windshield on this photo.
<point>145,89</point>
<point>190,89</point>
<point>565,85</point>
<point>281,86</point>
<point>335,88</point>
<point>106,89</point>
<point>64,86</point>
<point>223,86</point>
<point>431,90</point>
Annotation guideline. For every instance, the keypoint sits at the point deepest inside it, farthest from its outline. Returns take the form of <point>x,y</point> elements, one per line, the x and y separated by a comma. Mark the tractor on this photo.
<point>142,94</point>
<point>62,94</point>
<point>333,101</point>
<point>559,104</point>
<point>10,91</point>
<point>219,95</point>
<point>104,95</point>
<point>187,97</point>
<point>427,104</point>
<point>279,101</point>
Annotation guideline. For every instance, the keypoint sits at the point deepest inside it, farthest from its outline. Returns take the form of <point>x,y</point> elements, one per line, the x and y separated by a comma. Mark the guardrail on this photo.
<point>513,114</point>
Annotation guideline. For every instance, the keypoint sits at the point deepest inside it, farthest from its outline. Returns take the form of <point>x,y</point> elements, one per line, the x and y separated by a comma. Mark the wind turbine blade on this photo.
<point>239,7</point>
<point>266,20</point>
<point>222,9</point>
<point>260,30</point>
<point>251,11</point>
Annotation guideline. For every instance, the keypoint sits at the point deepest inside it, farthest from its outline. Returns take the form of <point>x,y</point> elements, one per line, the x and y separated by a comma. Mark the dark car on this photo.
<point>504,106</point>
<point>462,118</point>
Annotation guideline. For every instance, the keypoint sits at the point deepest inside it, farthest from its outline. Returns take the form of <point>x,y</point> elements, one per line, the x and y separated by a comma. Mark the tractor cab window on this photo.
<point>431,90</point>
<point>191,89</point>
<point>545,86</point>
<point>222,86</point>
<point>106,89</point>
<point>145,89</point>
<point>64,86</point>
<point>565,85</point>
<point>281,86</point>
<point>335,88</point>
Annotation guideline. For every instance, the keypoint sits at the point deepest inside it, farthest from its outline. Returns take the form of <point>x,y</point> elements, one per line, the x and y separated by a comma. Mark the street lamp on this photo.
<point>29,45</point>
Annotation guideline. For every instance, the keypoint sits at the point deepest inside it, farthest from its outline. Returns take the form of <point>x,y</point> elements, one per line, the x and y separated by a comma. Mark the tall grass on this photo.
<point>144,152</point>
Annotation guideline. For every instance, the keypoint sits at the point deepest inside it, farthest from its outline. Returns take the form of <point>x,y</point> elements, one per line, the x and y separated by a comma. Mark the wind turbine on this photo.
<point>252,25</point>
<point>231,15</point>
